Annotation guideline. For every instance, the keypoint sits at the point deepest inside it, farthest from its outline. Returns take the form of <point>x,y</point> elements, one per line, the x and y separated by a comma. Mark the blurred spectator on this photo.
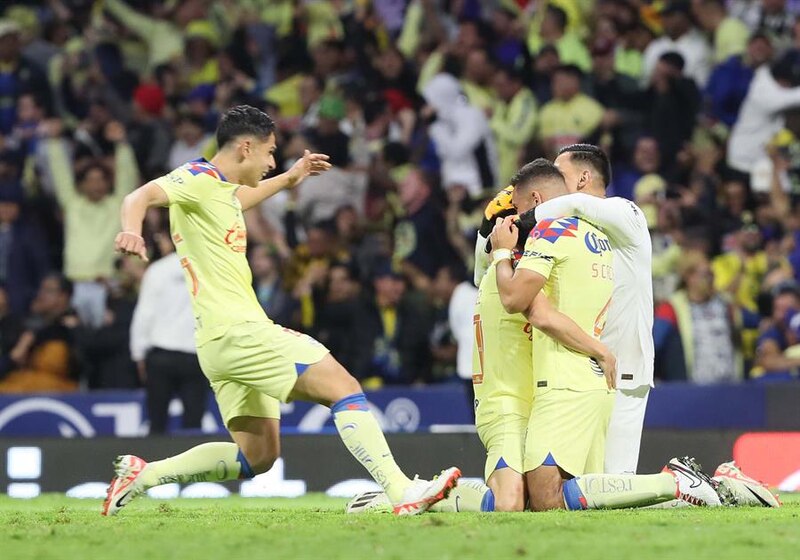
<point>457,296</point>
<point>619,94</point>
<point>476,79</point>
<point>701,326</point>
<point>335,323</point>
<point>571,117</point>
<point>17,76</point>
<point>674,102</point>
<point>44,358</point>
<point>770,16</point>
<point>189,142</point>
<point>24,257</point>
<point>741,271</point>
<point>513,121</point>
<point>268,285</point>
<point>774,89</point>
<point>544,66</point>
<point>162,343</point>
<point>392,332</point>
<point>729,33</point>
<point>730,80</point>
<point>462,136</point>
<point>554,32</point>
<point>148,133</point>
<point>90,198</point>
<point>773,363</point>
<point>681,37</point>
<point>420,237</point>
<point>10,331</point>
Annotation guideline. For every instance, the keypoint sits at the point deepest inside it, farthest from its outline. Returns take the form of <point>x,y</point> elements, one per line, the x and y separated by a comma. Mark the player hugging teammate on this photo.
<point>560,406</point>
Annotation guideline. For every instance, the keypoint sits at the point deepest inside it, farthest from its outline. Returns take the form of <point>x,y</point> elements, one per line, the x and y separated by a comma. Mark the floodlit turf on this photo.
<point>53,526</point>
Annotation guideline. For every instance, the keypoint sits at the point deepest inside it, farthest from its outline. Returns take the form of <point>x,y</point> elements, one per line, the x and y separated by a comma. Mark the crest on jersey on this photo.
<point>198,166</point>
<point>554,229</point>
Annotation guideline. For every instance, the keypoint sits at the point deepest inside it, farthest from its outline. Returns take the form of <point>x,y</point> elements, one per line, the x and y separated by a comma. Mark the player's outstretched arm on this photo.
<point>617,217</point>
<point>309,164</point>
<point>134,207</point>
<point>543,316</point>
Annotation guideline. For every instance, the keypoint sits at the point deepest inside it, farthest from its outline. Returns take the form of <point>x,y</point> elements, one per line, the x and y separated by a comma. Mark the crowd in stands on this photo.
<point>426,108</point>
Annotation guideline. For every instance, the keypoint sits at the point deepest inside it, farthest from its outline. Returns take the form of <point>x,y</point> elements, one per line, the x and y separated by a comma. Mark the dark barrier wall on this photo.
<point>319,461</point>
<point>677,406</point>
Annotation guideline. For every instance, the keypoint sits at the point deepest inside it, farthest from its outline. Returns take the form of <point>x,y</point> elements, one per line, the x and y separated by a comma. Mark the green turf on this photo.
<point>53,526</point>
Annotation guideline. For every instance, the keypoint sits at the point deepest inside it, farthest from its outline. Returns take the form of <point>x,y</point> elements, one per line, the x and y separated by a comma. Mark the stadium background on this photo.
<point>98,97</point>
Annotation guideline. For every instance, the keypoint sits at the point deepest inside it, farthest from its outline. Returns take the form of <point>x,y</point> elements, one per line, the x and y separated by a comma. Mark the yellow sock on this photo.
<point>364,438</point>
<point>208,462</point>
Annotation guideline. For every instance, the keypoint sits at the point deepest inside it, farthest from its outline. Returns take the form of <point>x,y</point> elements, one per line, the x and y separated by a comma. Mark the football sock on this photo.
<point>208,462</point>
<point>364,439</point>
<point>609,491</point>
<point>468,495</point>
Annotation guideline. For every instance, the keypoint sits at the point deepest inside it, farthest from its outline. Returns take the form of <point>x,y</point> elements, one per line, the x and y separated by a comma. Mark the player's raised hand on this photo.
<point>505,234</point>
<point>129,243</point>
<point>309,164</point>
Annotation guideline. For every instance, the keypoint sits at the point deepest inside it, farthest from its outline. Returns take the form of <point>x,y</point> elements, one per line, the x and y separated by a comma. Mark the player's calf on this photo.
<point>544,488</point>
<point>508,489</point>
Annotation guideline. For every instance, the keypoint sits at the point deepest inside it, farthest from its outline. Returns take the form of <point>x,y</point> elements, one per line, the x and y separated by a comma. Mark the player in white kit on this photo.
<point>629,326</point>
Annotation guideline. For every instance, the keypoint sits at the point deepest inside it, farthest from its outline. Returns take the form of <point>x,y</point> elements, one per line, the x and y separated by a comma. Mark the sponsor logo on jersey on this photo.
<point>596,244</point>
<point>236,238</point>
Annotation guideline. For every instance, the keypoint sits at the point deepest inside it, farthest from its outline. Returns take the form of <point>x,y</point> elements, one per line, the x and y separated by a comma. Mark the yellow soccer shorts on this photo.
<point>503,436</point>
<point>568,428</point>
<point>254,366</point>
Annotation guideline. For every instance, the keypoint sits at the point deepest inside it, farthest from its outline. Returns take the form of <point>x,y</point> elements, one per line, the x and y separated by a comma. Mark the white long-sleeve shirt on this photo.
<point>163,317</point>
<point>760,118</point>
<point>459,314</point>
<point>629,325</point>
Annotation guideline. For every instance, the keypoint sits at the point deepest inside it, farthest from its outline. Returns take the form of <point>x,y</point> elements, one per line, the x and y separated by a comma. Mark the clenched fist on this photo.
<point>129,243</point>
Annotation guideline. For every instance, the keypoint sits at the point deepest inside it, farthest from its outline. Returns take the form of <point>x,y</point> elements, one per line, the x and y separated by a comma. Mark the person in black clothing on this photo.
<point>392,330</point>
<point>336,316</point>
<point>674,102</point>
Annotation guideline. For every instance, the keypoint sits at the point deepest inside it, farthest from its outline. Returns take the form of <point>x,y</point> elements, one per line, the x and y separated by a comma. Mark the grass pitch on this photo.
<point>53,526</point>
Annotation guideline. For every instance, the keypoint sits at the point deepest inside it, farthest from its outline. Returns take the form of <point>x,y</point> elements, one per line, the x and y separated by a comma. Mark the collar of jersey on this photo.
<point>204,160</point>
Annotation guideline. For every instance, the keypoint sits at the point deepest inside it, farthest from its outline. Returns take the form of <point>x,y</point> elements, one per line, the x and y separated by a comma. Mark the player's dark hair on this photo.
<point>243,120</point>
<point>591,155</point>
<point>539,168</point>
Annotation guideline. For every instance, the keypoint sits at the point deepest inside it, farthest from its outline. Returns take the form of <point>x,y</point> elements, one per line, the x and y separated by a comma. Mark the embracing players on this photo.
<point>251,362</point>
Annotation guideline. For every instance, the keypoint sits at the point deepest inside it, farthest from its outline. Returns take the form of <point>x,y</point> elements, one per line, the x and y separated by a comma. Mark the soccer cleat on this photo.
<point>125,486</point>
<point>422,494</point>
<point>375,501</point>
<point>748,491</point>
<point>696,487</point>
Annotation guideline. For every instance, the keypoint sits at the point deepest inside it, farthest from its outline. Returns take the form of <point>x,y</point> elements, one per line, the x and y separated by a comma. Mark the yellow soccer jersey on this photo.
<point>575,258</point>
<point>501,356</point>
<point>210,237</point>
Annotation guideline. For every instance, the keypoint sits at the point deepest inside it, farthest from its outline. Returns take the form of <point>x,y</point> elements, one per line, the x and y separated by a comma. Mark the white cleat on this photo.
<point>125,485</point>
<point>748,491</point>
<point>696,487</point>
<point>375,501</point>
<point>422,494</point>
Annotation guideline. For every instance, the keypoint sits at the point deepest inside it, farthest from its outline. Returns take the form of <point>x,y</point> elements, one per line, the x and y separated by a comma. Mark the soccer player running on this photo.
<point>252,363</point>
<point>570,261</point>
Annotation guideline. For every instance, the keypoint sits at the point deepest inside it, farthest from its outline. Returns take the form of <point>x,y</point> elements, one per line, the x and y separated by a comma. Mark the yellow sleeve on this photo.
<point>183,188</point>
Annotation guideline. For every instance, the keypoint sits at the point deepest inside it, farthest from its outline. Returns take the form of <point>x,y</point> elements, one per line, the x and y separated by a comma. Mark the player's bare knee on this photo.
<point>545,499</point>
<point>264,461</point>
